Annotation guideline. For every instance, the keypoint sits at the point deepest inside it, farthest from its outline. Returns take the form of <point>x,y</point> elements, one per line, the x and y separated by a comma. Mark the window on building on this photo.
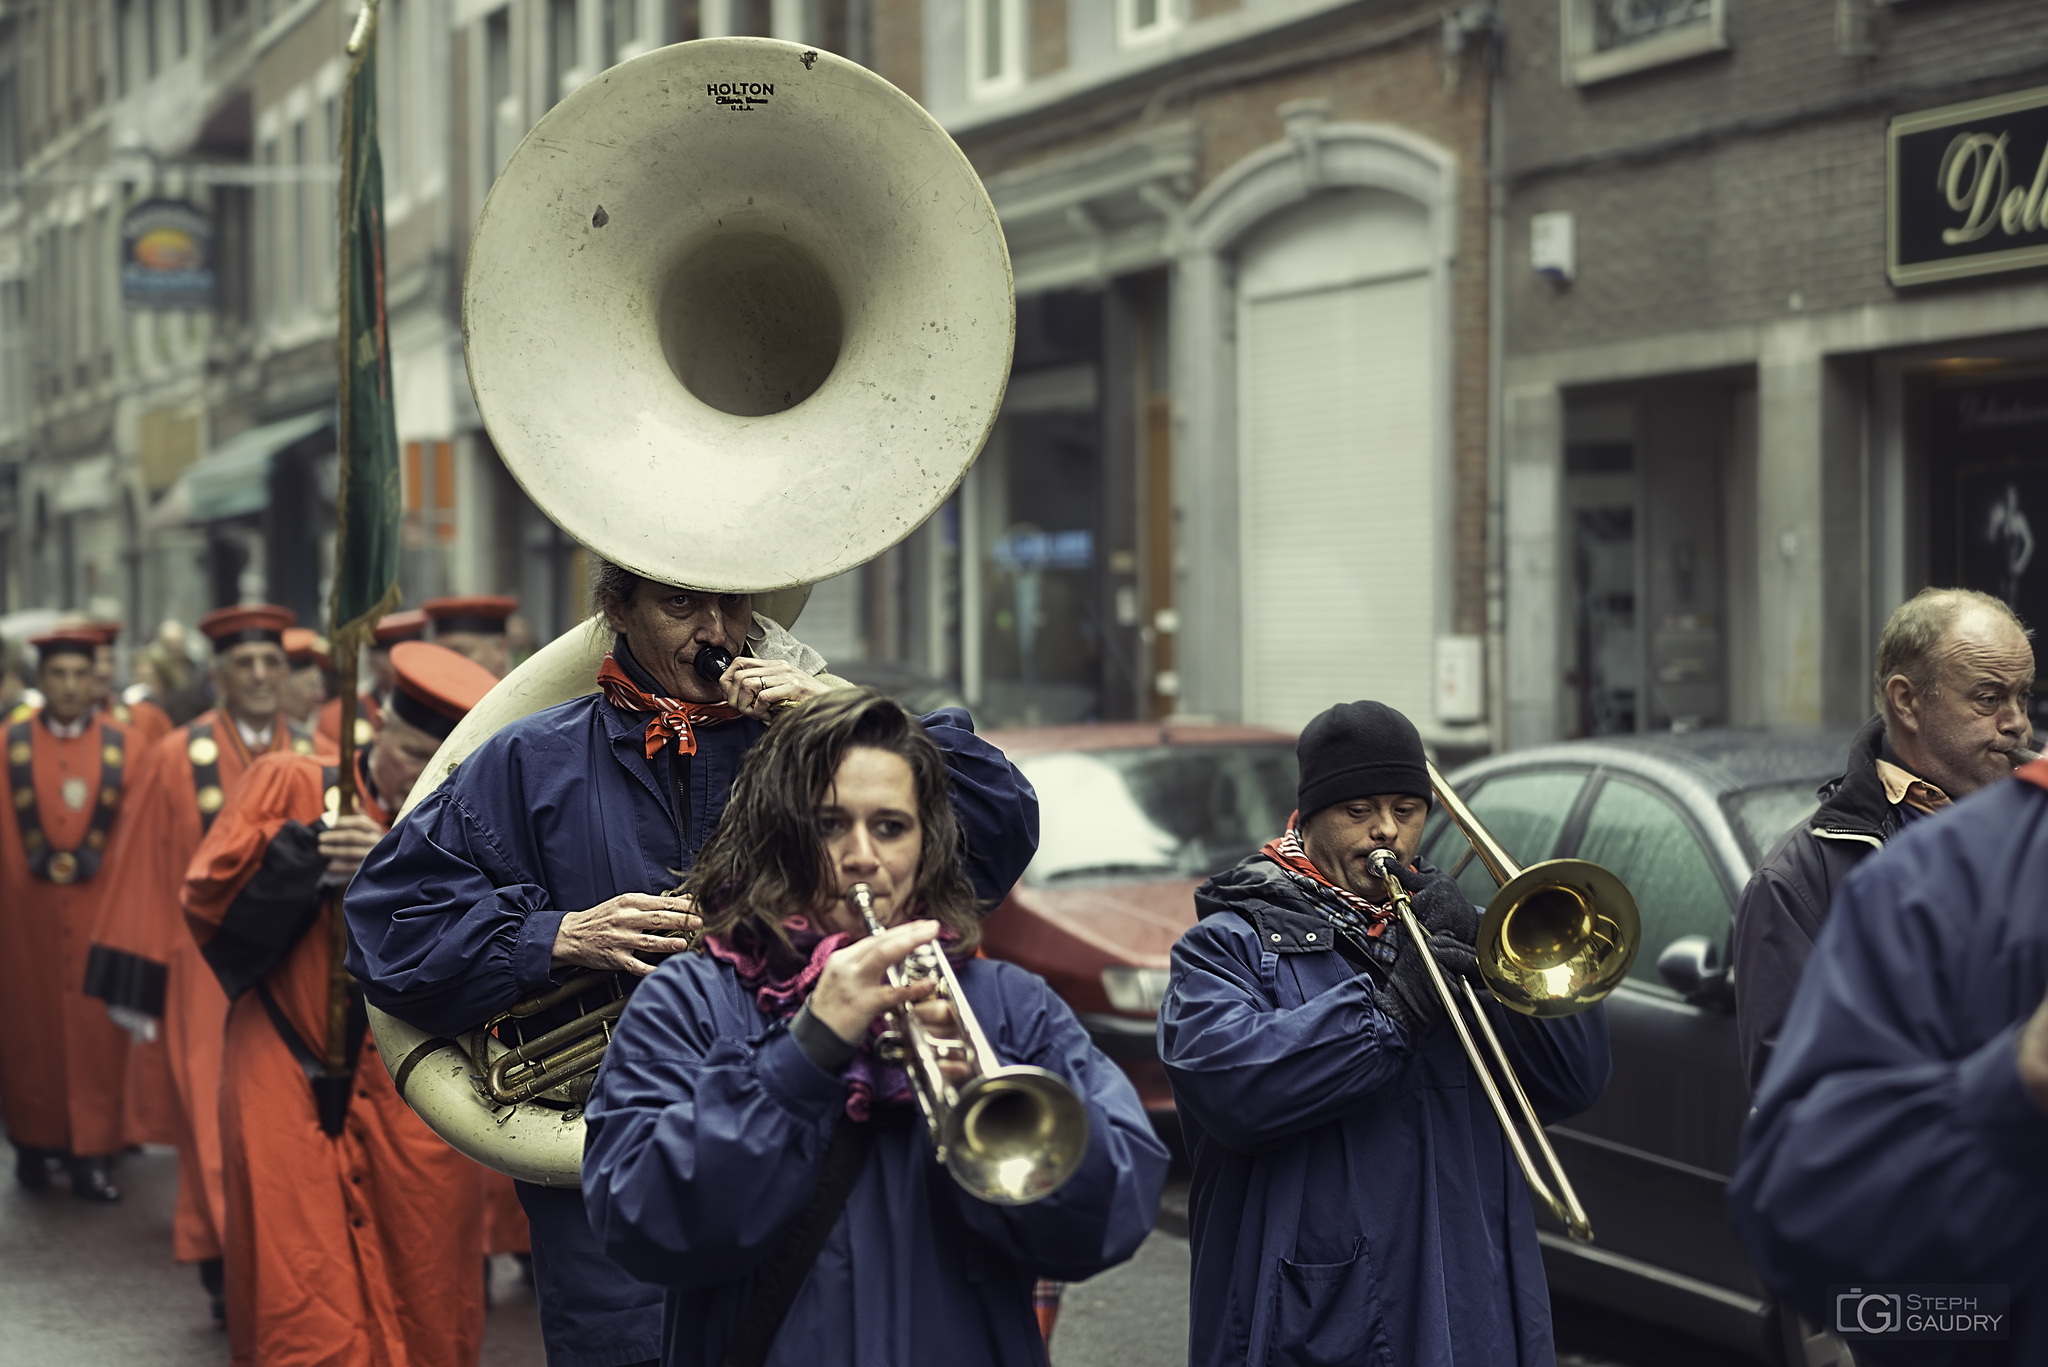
<point>995,47</point>
<point>1140,21</point>
<point>1608,38</point>
<point>327,202</point>
<point>152,29</point>
<point>501,121</point>
<point>181,33</point>
<point>124,47</point>
<point>234,208</point>
<point>394,102</point>
<point>561,48</point>
<point>621,28</point>
<point>270,237</point>
<point>683,21</point>
<point>99,264</point>
<point>10,124</point>
<point>301,249</point>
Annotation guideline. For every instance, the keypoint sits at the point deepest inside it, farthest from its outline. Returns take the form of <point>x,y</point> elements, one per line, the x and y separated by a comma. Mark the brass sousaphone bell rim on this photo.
<point>1610,908</point>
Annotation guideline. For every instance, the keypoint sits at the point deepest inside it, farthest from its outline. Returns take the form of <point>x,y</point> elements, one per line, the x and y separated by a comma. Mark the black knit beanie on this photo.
<point>1359,749</point>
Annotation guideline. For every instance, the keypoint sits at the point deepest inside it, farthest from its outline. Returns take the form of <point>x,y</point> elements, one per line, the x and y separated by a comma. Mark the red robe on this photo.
<point>63,1063</point>
<point>505,1228</point>
<point>356,1250</point>
<point>145,721</point>
<point>327,726</point>
<point>149,963</point>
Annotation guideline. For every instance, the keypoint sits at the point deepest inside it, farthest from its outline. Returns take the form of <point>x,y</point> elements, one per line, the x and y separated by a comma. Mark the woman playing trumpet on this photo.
<point>749,1150</point>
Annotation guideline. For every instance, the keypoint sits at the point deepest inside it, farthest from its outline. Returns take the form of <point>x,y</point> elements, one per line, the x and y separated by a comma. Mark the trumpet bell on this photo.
<point>1558,937</point>
<point>1016,1135</point>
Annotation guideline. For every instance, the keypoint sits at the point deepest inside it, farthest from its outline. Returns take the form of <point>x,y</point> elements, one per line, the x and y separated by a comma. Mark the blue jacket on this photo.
<point>1353,1199</point>
<point>453,917</point>
<point>706,1136</point>
<point>1892,1139</point>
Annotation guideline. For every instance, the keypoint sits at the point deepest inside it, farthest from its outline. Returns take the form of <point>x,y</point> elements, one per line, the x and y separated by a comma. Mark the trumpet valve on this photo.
<point>891,1049</point>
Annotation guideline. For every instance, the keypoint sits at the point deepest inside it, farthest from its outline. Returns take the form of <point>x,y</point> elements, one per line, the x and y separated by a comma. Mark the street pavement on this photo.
<point>86,1286</point>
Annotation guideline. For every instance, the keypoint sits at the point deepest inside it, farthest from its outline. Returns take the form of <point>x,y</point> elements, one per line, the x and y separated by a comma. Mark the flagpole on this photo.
<point>347,638</point>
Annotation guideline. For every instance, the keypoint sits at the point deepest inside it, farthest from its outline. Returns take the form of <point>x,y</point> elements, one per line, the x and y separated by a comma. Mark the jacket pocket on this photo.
<point>1328,1315</point>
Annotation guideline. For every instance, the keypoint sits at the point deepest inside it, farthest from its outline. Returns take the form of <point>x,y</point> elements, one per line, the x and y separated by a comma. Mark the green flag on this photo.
<point>367,504</point>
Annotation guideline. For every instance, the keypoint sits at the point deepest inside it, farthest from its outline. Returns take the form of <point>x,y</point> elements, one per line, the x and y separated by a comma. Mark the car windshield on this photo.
<point>1763,815</point>
<point>1182,811</point>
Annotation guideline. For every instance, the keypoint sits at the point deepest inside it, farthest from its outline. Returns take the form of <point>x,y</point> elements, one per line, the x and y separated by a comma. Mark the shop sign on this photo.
<point>1967,187</point>
<point>167,256</point>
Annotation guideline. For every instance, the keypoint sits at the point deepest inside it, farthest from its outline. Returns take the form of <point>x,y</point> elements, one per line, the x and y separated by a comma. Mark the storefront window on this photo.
<point>1987,458</point>
<point>1037,512</point>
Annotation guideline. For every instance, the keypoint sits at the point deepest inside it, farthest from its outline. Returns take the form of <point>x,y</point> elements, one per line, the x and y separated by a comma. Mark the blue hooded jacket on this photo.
<point>708,1130</point>
<point>1892,1139</point>
<point>1354,1200</point>
<point>453,917</point>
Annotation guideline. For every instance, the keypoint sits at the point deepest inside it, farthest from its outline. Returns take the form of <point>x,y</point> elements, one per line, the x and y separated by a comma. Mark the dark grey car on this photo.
<point>1683,820</point>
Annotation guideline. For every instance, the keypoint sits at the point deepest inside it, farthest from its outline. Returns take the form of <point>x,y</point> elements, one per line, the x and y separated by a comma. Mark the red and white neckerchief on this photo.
<point>673,719</point>
<point>1286,851</point>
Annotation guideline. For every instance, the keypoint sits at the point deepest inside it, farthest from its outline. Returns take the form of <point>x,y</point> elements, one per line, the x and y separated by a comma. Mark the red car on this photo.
<point>1132,816</point>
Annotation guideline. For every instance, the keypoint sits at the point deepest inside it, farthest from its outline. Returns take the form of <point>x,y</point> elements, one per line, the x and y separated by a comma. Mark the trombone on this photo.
<point>1010,1135</point>
<point>1556,939</point>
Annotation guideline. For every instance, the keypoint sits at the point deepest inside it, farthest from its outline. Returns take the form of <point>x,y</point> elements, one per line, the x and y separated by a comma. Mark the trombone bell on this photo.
<point>1557,938</point>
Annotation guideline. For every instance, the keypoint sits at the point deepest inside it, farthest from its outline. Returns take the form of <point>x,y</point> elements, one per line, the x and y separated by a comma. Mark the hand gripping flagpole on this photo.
<point>366,507</point>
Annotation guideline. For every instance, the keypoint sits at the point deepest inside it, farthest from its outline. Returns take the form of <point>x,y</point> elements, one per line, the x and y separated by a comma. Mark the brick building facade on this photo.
<point>1732,442</point>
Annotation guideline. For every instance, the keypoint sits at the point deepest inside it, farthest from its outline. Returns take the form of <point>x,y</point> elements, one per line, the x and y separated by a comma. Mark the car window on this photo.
<point>1525,811</point>
<point>1763,815</point>
<point>1646,842</point>
<point>1183,811</point>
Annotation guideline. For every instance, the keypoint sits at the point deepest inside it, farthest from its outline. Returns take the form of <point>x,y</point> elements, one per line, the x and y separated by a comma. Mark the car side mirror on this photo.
<point>1691,966</point>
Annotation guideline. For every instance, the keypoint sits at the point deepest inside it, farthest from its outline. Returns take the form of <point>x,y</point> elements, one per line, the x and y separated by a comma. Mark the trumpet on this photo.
<point>1557,938</point>
<point>1011,1134</point>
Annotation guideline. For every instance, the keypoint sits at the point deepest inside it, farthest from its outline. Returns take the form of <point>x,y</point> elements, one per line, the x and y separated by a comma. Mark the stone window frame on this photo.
<point>1584,65</point>
<point>1016,49</point>
<point>1315,155</point>
<point>1167,20</point>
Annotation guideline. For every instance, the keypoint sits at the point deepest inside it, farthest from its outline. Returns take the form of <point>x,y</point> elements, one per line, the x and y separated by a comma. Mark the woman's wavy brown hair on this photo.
<point>767,862</point>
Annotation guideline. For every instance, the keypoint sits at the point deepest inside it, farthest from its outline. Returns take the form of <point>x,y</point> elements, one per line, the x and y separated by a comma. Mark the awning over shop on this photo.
<point>235,478</point>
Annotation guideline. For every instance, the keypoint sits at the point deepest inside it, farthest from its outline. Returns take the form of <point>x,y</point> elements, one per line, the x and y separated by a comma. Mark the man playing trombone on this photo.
<point>1353,1197</point>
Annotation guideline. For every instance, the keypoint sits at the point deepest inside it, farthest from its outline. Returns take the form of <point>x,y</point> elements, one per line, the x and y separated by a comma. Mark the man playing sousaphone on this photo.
<point>552,848</point>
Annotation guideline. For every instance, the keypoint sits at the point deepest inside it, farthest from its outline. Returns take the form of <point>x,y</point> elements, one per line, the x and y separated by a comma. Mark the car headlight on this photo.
<point>1135,989</point>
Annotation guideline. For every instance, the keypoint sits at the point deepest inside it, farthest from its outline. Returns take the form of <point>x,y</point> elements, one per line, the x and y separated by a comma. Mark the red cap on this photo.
<point>82,640</point>
<point>436,687</point>
<point>393,627</point>
<point>483,613</point>
<point>303,648</point>
<point>251,622</point>
<point>107,627</point>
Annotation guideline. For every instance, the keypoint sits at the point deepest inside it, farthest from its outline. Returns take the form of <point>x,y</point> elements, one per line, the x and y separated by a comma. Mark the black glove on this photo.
<point>1409,998</point>
<point>1441,905</point>
<point>1455,958</point>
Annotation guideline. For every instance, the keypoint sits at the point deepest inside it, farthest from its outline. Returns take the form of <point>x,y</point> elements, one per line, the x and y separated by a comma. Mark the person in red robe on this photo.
<point>143,964</point>
<point>64,1064</point>
<point>352,1229</point>
<point>305,686</point>
<point>410,625</point>
<point>476,627</point>
<point>145,722</point>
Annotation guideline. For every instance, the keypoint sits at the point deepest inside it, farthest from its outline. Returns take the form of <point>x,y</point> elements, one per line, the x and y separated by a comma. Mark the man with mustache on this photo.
<point>1955,672</point>
<point>143,963</point>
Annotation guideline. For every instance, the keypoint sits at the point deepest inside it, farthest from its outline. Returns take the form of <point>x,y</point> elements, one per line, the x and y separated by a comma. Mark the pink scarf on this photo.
<point>781,983</point>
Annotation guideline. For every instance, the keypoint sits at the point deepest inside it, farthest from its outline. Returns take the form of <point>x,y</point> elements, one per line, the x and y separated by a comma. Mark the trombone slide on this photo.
<point>1563,1202</point>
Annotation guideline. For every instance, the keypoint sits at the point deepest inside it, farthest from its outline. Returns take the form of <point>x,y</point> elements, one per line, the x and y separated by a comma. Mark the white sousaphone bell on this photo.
<point>738,316</point>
